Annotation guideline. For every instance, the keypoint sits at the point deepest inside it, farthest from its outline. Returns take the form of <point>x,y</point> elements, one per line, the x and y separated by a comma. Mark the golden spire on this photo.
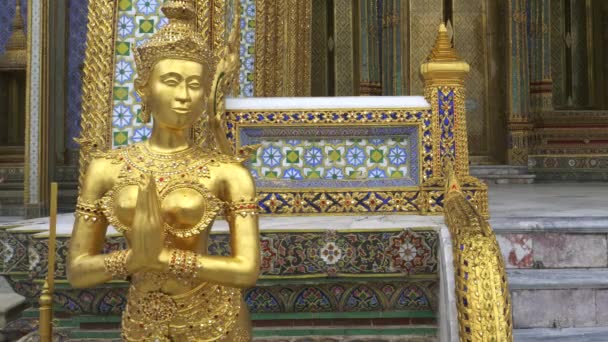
<point>452,184</point>
<point>443,50</point>
<point>15,55</point>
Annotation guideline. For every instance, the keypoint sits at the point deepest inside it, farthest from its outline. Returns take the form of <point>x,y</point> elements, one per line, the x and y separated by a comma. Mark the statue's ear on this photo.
<point>140,89</point>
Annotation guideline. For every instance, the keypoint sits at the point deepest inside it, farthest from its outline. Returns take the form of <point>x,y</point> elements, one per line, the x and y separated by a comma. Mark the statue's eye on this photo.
<point>171,82</point>
<point>194,85</point>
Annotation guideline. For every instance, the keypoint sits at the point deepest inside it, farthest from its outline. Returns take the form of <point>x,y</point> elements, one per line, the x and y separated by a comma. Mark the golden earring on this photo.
<point>144,114</point>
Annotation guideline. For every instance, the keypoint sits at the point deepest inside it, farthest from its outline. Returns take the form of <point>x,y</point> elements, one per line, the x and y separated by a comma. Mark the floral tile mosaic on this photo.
<point>137,21</point>
<point>246,79</point>
<point>343,297</point>
<point>371,295</point>
<point>316,253</point>
<point>334,156</point>
<point>378,256</point>
<point>13,252</point>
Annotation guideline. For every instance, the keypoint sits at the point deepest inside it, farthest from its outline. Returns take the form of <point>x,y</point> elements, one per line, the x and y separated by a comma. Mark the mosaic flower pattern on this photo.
<point>122,116</point>
<point>125,26</point>
<point>319,253</point>
<point>271,156</point>
<point>313,156</point>
<point>137,21</point>
<point>333,159</point>
<point>331,253</point>
<point>147,7</point>
<point>247,50</point>
<point>124,71</point>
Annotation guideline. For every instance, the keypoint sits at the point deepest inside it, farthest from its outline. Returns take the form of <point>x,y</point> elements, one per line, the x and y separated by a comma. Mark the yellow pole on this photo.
<point>45,330</point>
<point>46,298</point>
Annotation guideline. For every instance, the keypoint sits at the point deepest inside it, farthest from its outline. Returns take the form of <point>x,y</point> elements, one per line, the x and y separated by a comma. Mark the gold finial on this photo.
<point>179,39</point>
<point>15,53</point>
<point>443,50</point>
<point>452,184</point>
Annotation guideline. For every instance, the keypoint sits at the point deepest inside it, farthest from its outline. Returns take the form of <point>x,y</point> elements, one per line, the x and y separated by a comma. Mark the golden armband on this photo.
<point>115,264</point>
<point>88,210</point>
<point>242,208</point>
<point>184,265</point>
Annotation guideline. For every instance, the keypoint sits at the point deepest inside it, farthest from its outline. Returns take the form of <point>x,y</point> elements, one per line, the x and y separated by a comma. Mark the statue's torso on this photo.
<point>188,188</point>
<point>187,185</point>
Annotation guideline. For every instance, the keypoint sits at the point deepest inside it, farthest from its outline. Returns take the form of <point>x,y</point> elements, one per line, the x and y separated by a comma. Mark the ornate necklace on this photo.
<point>192,159</point>
<point>171,171</point>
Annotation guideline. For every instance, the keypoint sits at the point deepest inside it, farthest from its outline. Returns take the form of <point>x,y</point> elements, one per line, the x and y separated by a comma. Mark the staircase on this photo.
<point>558,277</point>
<point>502,174</point>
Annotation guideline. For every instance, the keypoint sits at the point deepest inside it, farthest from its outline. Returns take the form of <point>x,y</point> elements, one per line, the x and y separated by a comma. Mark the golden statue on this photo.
<point>164,194</point>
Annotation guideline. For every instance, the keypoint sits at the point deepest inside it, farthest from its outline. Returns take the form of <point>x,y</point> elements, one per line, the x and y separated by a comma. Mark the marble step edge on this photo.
<point>542,224</point>
<point>507,176</point>
<point>422,332</point>
<point>482,170</point>
<point>595,334</point>
<point>554,279</point>
<point>74,320</point>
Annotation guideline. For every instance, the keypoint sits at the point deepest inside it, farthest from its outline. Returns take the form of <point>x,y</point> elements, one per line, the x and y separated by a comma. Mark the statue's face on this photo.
<point>174,93</point>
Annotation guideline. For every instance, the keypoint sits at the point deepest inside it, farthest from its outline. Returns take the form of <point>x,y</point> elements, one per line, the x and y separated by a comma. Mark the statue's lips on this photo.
<point>181,110</point>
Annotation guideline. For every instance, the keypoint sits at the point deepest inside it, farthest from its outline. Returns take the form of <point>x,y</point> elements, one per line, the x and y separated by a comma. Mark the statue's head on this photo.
<point>173,69</point>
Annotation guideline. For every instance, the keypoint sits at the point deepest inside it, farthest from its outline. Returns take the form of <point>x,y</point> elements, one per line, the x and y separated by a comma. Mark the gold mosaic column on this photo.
<point>283,48</point>
<point>541,84</point>
<point>518,113</point>
<point>444,75</point>
<point>344,63</point>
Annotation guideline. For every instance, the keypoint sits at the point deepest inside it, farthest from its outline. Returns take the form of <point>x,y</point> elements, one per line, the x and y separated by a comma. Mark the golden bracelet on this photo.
<point>88,210</point>
<point>242,208</point>
<point>184,265</point>
<point>115,264</point>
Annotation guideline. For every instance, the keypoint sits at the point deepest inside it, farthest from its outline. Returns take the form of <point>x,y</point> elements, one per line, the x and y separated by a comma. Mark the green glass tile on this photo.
<point>121,138</point>
<point>125,5</point>
<point>293,156</point>
<point>138,118</point>
<point>376,156</point>
<point>146,26</point>
<point>353,174</point>
<point>121,93</point>
<point>271,174</point>
<point>397,174</point>
<point>334,156</point>
<point>123,48</point>
<point>313,174</point>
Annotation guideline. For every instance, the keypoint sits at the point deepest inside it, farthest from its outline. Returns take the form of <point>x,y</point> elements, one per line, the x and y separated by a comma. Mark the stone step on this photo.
<point>562,335</point>
<point>11,303</point>
<point>508,179</point>
<point>293,334</point>
<point>502,174</point>
<point>484,170</point>
<point>564,298</point>
<point>553,242</point>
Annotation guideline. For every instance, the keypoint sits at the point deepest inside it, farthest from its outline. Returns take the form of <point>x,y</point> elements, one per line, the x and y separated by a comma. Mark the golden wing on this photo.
<point>226,73</point>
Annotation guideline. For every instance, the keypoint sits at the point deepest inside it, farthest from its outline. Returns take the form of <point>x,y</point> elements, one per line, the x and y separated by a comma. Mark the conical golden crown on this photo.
<point>179,39</point>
